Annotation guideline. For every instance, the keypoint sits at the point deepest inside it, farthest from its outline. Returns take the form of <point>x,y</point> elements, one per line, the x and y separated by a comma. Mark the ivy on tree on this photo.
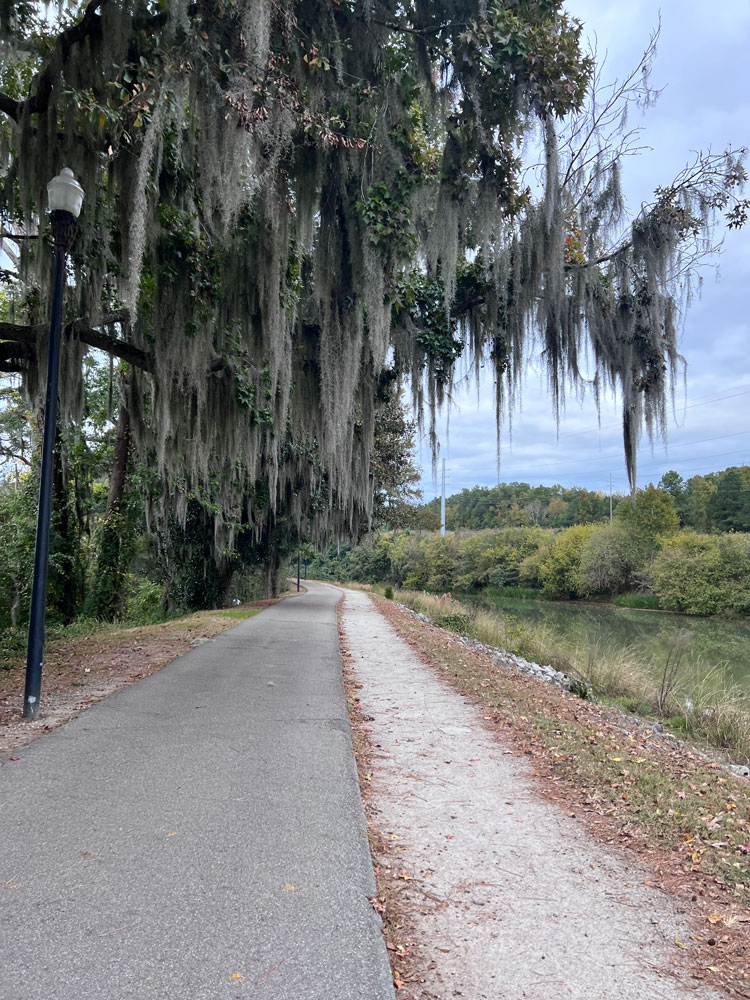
<point>283,199</point>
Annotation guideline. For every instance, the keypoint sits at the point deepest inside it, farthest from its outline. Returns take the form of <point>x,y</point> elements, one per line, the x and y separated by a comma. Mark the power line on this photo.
<point>532,466</point>
<point>701,401</point>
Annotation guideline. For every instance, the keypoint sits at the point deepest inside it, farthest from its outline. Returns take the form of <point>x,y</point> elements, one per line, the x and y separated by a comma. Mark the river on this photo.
<point>715,642</point>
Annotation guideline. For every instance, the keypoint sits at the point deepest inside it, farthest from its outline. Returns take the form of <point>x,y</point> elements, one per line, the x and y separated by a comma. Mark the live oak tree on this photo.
<point>285,199</point>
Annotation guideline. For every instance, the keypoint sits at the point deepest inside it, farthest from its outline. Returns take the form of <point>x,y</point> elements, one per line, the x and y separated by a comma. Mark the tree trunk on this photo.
<point>110,571</point>
<point>65,571</point>
<point>272,567</point>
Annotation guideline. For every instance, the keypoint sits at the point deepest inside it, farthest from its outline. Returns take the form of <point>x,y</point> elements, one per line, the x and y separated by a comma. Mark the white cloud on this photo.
<point>702,58</point>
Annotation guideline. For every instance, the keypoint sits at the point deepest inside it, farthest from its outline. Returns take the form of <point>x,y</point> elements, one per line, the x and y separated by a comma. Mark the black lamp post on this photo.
<point>65,198</point>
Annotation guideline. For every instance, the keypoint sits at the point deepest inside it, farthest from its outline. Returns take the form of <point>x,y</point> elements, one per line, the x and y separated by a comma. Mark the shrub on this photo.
<point>702,574</point>
<point>388,592</point>
<point>561,567</point>
<point>610,558</point>
<point>143,603</point>
<point>454,622</point>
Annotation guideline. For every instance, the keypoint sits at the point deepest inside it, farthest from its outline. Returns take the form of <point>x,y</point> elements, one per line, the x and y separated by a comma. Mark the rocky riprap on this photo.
<point>501,656</point>
<point>511,661</point>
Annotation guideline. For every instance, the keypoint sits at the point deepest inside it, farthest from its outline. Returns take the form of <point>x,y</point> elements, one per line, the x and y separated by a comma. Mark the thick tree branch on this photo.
<point>11,107</point>
<point>21,334</point>
<point>89,23</point>
<point>28,336</point>
<point>14,356</point>
<point>45,81</point>
<point>109,344</point>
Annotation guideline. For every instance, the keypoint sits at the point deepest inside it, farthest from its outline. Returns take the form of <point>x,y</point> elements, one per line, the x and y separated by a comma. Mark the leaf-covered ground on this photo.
<point>679,817</point>
<point>79,671</point>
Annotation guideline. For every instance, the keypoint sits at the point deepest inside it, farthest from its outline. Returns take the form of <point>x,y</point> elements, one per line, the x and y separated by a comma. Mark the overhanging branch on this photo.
<point>111,345</point>
<point>28,337</point>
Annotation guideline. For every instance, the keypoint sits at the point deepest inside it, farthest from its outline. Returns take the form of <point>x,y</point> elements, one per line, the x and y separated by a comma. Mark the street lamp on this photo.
<point>65,197</point>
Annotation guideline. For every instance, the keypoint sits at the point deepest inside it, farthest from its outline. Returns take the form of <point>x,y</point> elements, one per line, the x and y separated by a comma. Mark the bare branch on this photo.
<point>109,344</point>
<point>15,334</point>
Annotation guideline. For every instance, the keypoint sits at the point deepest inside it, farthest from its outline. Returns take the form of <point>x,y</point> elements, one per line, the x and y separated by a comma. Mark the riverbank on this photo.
<point>673,812</point>
<point>702,706</point>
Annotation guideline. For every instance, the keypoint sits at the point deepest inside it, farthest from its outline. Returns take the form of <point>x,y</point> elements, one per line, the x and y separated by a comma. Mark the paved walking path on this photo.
<point>197,835</point>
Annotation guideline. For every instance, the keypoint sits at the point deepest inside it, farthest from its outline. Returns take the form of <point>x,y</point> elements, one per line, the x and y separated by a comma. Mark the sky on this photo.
<point>702,64</point>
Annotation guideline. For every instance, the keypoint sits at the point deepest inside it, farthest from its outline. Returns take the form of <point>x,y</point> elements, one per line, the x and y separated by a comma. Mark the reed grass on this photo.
<point>699,703</point>
<point>642,601</point>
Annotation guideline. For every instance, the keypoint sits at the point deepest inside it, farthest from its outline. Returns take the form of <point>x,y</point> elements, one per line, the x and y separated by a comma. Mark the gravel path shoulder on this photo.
<point>515,899</point>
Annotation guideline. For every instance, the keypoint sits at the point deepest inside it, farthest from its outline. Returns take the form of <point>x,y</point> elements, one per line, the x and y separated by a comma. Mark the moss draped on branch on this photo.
<point>290,198</point>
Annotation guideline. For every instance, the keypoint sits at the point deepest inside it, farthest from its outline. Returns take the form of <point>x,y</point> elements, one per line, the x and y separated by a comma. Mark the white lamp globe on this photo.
<point>65,194</point>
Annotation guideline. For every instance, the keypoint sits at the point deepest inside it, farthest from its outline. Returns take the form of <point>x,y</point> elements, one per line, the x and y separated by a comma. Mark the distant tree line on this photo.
<point>647,550</point>
<point>719,501</point>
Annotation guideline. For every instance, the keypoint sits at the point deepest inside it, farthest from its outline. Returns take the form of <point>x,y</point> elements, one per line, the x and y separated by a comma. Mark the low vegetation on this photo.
<point>700,705</point>
<point>642,559</point>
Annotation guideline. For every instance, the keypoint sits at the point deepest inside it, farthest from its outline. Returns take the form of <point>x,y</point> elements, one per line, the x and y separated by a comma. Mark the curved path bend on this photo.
<point>198,835</point>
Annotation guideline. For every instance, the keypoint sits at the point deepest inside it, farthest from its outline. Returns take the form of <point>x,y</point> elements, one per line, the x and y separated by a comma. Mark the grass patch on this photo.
<point>716,714</point>
<point>516,593</point>
<point>455,622</point>
<point>14,641</point>
<point>643,601</point>
<point>629,704</point>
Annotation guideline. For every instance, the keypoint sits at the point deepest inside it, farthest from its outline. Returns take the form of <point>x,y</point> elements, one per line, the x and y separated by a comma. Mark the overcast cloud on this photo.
<point>702,63</point>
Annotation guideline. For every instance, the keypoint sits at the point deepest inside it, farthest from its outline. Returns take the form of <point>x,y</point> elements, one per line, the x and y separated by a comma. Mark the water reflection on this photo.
<point>715,642</point>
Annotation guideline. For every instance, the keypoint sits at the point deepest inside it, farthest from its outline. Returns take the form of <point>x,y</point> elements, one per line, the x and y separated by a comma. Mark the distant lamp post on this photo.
<point>65,198</point>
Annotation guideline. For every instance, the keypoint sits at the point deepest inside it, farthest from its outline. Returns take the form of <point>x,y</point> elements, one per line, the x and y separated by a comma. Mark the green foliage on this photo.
<point>729,506</point>
<point>18,509</point>
<point>581,689</point>
<point>699,491</point>
<point>454,622</point>
<point>649,514</point>
<point>560,567</point>
<point>703,574</point>
<point>644,601</point>
<point>392,464</point>
<point>436,334</point>
<point>521,504</point>
<point>143,601</point>
<point>385,210</point>
<point>610,560</point>
<point>673,484</point>
<point>388,592</point>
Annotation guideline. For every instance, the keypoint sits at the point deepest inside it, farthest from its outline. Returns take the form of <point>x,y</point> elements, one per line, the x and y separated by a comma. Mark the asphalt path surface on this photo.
<point>199,834</point>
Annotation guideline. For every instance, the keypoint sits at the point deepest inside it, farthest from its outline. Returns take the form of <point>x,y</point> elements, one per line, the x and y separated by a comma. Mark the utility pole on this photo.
<point>442,504</point>
<point>610,498</point>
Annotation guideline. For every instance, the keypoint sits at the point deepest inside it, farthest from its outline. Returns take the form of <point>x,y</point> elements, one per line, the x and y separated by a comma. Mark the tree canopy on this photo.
<point>291,205</point>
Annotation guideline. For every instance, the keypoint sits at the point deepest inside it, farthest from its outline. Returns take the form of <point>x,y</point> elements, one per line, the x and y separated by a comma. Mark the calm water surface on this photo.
<point>714,642</point>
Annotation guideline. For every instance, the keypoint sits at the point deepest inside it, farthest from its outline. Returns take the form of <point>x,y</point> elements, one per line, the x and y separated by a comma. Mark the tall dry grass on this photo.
<point>699,702</point>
